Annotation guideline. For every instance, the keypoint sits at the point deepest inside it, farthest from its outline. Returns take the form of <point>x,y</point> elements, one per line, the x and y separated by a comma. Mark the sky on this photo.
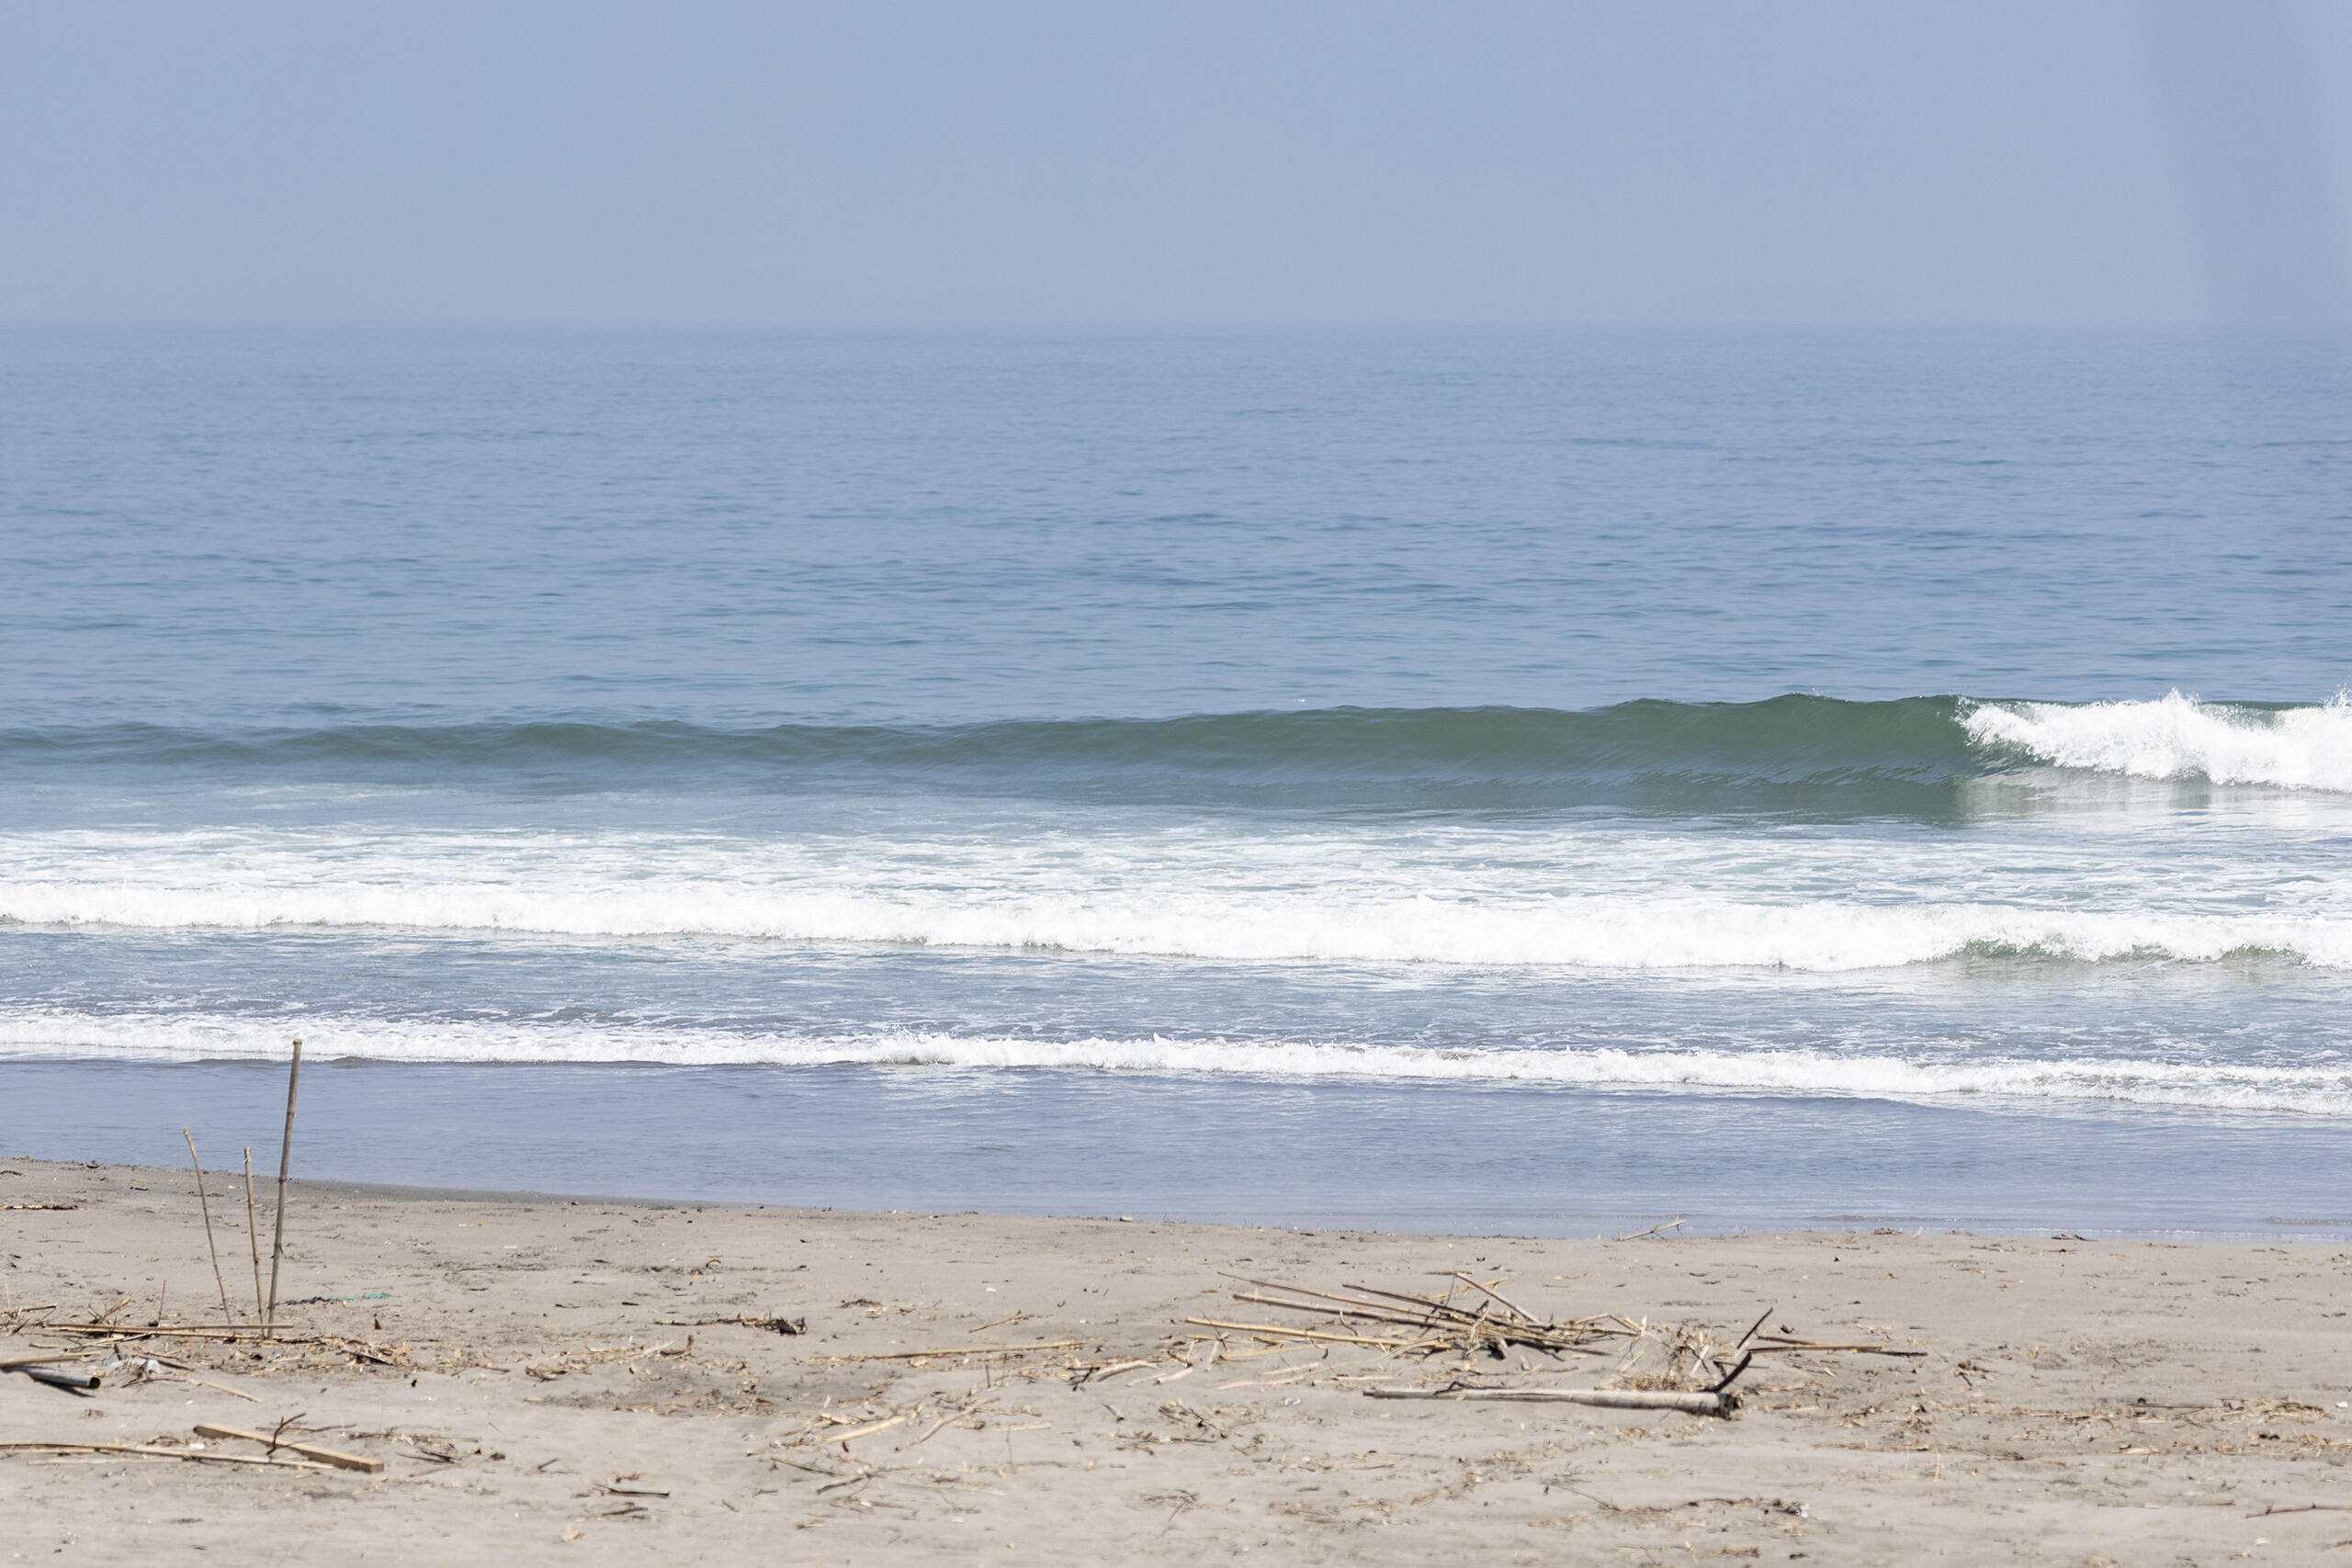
<point>1205,163</point>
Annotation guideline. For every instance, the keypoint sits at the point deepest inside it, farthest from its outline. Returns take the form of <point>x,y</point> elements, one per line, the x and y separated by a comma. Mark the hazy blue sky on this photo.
<point>1173,162</point>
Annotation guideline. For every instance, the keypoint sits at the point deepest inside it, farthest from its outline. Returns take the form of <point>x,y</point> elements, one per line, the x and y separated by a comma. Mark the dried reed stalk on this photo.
<point>205,1204</point>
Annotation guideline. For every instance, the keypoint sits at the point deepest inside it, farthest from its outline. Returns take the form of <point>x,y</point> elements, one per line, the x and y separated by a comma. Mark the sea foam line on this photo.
<point>1588,932</point>
<point>2177,737</point>
<point>2314,1090</point>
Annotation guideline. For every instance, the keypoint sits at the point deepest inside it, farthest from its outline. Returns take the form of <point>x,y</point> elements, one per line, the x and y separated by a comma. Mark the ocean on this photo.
<point>1544,782</point>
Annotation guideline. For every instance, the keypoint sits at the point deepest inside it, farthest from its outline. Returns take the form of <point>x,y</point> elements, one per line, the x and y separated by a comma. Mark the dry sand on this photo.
<point>549,1386</point>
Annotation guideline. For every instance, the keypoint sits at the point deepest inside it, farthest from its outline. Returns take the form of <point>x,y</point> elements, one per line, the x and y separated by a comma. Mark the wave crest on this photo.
<point>2178,737</point>
<point>1793,750</point>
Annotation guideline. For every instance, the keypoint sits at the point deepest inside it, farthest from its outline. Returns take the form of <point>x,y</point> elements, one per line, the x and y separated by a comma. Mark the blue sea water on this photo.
<point>1528,780</point>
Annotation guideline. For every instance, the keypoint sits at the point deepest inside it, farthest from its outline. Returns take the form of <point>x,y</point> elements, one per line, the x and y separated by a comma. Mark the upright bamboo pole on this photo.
<point>284,1157</point>
<point>206,1204</point>
<point>253,1231</point>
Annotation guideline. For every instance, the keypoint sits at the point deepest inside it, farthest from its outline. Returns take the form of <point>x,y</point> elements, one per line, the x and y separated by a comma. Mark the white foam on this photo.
<point>1612,933</point>
<point>2178,737</point>
<point>1604,895</point>
<point>2314,1090</point>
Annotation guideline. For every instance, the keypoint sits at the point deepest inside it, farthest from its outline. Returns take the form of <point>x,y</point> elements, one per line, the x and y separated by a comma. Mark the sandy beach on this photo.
<point>557,1380</point>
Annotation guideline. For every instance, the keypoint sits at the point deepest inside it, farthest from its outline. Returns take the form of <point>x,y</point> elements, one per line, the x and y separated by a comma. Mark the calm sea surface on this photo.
<point>1538,781</point>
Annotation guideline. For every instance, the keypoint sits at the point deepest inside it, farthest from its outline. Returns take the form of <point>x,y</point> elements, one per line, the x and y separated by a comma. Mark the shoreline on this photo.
<point>323,1188</point>
<point>556,1378</point>
<point>1463,1161</point>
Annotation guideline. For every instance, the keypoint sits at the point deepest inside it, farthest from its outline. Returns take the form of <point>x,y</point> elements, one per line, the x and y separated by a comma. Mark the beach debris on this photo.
<point>1697,1402</point>
<point>1777,1342</point>
<point>771,1325</point>
<point>61,1377</point>
<point>1471,1318</point>
<point>47,1206</point>
<point>285,1159</point>
<point>871,1428</point>
<point>190,1377</point>
<point>957,1352</point>
<point>614,1488</point>
<point>205,1204</point>
<point>1654,1230</point>
<point>963,1414</point>
<point>273,1442</point>
<point>99,1330</point>
<point>828,1426</point>
<point>253,1232</point>
<point>1657,1366</point>
<point>158,1450</point>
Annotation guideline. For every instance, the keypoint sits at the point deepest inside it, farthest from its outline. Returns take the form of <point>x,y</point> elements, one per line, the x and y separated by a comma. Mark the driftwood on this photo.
<point>947,1351</point>
<point>308,1451</point>
<point>150,1451</point>
<point>1663,1366</point>
<point>613,1489</point>
<point>175,1331</point>
<point>1475,1318</point>
<point>1322,1336</point>
<point>773,1324</point>
<point>358,1350</point>
<point>1696,1401</point>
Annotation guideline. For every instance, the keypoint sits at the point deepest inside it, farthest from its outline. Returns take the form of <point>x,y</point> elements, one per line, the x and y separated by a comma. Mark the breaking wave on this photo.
<point>2319,1089</point>
<point>1793,751</point>
<point>2178,737</point>
<point>1605,932</point>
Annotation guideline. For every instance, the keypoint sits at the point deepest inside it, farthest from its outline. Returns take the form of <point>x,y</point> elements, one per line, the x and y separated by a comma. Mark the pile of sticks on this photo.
<point>103,1328</point>
<point>1657,1366</point>
<point>1469,1319</point>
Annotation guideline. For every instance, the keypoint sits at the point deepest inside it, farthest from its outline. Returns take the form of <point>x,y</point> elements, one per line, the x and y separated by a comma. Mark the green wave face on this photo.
<point>1896,753</point>
<point>1916,756</point>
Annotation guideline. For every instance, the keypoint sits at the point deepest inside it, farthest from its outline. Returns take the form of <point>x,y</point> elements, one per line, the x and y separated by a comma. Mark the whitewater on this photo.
<point>2049,868</point>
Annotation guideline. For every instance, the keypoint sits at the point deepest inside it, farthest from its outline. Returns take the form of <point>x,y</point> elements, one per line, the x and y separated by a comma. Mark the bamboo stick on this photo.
<point>1263,1328</point>
<point>129,1331</point>
<point>151,1451</point>
<point>944,1351</point>
<point>285,1155</point>
<point>1697,1403</point>
<point>61,1377</point>
<point>205,1204</point>
<point>308,1451</point>
<point>1378,1314</point>
<point>1524,1315</point>
<point>253,1232</point>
